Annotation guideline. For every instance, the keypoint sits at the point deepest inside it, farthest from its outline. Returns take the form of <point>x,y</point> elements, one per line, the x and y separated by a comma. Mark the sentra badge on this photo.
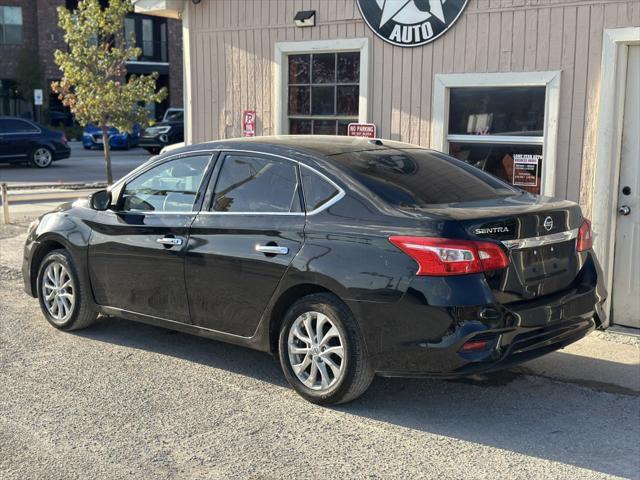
<point>490,230</point>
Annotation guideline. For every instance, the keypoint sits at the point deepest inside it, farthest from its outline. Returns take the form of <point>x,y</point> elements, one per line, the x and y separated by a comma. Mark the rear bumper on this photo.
<point>423,340</point>
<point>61,153</point>
<point>508,349</point>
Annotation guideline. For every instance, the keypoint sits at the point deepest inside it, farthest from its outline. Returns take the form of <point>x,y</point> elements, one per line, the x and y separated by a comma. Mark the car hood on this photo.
<point>165,124</point>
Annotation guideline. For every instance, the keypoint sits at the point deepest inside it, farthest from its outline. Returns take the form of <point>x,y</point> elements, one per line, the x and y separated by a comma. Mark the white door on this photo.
<point>626,273</point>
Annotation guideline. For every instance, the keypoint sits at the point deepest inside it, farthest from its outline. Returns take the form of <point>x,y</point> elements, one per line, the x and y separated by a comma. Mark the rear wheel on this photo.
<point>62,296</point>
<point>42,157</point>
<point>322,352</point>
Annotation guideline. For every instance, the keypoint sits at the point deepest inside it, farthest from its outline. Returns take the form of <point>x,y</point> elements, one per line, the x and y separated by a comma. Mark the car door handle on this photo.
<point>272,249</point>
<point>170,241</point>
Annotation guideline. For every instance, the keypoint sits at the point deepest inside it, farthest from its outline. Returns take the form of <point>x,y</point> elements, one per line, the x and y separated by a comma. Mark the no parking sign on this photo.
<point>249,123</point>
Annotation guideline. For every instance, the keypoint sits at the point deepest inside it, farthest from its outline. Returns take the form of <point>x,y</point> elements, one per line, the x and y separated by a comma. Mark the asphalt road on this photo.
<point>84,166</point>
<point>125,400</point>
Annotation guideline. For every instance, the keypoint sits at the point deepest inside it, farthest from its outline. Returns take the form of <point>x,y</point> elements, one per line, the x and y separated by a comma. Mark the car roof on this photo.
<point>314,145</point>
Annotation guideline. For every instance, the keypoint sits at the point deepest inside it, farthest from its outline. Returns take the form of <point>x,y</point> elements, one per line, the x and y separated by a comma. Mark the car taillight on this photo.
<point>444,256</point>
<point>585,237</point>
<point>64,139</point>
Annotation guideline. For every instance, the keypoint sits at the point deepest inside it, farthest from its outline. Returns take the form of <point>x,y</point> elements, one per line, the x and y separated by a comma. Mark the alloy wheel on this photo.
<point>42,157</point>
<point>316,351</point>
<point>58,292</point>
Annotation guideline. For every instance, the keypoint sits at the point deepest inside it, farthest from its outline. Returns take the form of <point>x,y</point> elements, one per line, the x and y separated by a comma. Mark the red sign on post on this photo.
<point>249,123</point>
<point>367,130</point>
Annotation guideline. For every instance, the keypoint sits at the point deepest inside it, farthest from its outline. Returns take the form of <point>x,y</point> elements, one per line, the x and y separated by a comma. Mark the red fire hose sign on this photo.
<point>249,123</point>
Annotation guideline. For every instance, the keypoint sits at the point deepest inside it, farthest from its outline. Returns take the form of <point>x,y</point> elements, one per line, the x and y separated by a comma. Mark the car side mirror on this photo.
<point>101,200</point>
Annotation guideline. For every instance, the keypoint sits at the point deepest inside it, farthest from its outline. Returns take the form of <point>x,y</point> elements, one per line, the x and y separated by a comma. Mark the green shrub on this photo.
<point>72,133</point>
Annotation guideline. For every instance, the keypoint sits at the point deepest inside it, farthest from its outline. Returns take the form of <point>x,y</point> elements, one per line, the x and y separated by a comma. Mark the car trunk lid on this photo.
<point>539,235</point>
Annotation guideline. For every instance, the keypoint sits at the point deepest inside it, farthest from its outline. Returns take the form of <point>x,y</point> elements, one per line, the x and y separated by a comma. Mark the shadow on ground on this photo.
<point>508,410</point>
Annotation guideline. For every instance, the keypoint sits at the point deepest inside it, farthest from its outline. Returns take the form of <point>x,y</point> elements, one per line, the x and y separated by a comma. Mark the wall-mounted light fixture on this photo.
<point>306,18</point>
<point>196,2</point>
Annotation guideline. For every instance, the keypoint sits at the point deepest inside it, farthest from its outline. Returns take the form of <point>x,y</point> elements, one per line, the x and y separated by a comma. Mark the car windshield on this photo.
<point>415,178</point>
<point>173,116</point>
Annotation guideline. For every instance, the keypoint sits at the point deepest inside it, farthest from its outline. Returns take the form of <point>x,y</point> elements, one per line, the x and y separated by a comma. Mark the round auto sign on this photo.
<point>410,23</point>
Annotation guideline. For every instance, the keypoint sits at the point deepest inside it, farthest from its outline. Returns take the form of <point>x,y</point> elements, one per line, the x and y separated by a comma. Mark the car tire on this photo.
<point>41,157</point>
<point>62,295</point>
<point>320,377</point>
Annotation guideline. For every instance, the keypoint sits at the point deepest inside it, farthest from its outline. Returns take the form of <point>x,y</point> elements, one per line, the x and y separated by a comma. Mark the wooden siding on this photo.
<point>233,41</point>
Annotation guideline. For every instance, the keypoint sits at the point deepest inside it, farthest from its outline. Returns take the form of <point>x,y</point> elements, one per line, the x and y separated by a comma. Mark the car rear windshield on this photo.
<point>416,178</point>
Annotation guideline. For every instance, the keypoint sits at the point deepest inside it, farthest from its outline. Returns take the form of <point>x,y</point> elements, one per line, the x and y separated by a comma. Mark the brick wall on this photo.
<point>9,54</point>
<point>50,37</point>
<point>40,31</point>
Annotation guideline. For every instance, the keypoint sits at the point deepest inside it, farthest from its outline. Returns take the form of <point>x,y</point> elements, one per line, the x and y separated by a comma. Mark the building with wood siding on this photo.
<point>532,90</point>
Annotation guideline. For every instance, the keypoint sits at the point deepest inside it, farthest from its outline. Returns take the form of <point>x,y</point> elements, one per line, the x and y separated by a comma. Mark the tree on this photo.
<point>93,83</point>
<point>29,73</point>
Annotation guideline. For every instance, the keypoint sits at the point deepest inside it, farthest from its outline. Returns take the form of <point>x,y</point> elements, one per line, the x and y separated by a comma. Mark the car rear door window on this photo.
<point>416,178</point>
<point>15,125</point>
<point>253,184</point>
<point>172,186</point>
<point>317,191</point>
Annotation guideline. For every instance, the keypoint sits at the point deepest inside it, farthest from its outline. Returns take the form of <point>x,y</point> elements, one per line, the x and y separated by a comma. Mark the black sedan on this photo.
<point>24,141</point>
<point>344,258</point>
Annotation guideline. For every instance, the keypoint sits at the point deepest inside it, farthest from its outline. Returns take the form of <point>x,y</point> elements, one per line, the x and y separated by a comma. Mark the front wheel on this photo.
<point>42,157</point>
<point>322,352</point>
<point>63,297</point>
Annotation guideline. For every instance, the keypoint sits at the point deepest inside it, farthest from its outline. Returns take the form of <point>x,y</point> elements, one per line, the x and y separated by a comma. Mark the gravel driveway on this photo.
<point>125,400</point>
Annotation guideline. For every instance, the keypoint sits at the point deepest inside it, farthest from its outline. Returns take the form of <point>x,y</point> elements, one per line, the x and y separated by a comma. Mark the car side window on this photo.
<point>256,185</point>
<point>14,125</point>
<point>317,191</point>
<point>169,187</point>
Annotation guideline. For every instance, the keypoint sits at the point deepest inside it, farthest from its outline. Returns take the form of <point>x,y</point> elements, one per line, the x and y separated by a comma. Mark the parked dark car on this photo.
<point>169,131</point>
<point>24,141</point>
<point>92,138</point>
<point>59,117</point>
<point>344,258</point>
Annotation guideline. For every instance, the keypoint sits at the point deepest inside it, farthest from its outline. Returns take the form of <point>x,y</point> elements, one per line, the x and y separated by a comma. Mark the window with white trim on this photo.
<point>323,92</point>
<point>500,130</point>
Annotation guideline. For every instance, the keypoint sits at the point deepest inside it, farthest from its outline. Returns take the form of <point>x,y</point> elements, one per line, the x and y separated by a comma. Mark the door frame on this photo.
<point>606,170</point>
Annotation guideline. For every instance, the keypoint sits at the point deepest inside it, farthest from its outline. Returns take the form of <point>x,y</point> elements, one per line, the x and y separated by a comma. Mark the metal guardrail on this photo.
<point>35,193</point>
<point>51,186</point>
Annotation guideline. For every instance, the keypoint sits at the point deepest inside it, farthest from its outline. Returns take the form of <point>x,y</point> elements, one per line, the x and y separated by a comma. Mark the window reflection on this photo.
<point>324,92</point>
<point>497,111</point>
<point>519,165</point>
